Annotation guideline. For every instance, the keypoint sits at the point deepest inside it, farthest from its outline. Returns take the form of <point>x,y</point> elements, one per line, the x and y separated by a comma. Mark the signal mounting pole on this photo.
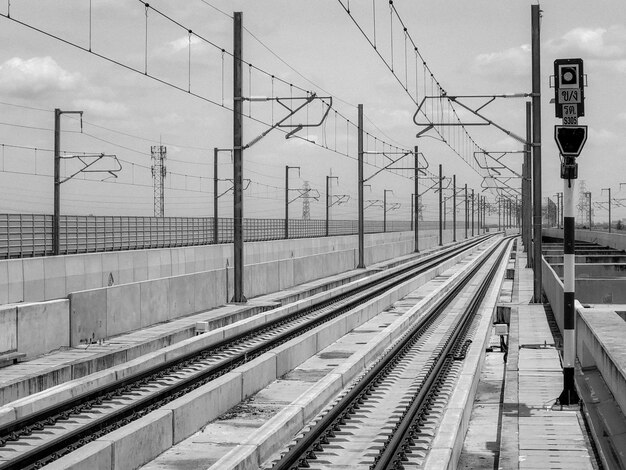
<point>570,138</point>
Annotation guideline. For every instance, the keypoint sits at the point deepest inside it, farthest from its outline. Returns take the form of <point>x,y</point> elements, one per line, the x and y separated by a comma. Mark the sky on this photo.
<point>148,81</point>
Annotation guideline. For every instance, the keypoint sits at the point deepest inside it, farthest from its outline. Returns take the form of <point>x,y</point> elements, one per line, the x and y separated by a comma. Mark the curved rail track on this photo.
<point>385,420</point>
<point>41,438</point>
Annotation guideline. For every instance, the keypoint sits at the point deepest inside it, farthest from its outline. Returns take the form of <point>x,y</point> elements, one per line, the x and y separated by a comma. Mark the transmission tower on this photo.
<point>306,207</point>
<point>583,203</point>
<point>159,154</point>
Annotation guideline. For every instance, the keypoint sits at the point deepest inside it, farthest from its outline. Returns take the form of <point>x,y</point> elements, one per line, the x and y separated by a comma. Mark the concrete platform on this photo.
<point>535,435</point>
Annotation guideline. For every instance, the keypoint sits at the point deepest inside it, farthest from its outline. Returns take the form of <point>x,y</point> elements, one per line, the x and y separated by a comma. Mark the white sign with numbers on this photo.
<point>570,115</point>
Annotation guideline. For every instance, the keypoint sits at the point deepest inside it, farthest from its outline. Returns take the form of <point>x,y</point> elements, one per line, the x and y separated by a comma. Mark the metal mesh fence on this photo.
<point>27,235</point>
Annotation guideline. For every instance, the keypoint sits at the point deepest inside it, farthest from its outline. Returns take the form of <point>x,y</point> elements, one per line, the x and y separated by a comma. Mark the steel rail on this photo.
<point>317,436</point>
<point>73,439</point>
<point>395,450</point>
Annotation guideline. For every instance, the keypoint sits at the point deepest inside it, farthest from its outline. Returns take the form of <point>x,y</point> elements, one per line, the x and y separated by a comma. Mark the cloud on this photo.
<point>35,77</point>
<point>514,61</point>
<point>598,43</point>
<point>103,109</point>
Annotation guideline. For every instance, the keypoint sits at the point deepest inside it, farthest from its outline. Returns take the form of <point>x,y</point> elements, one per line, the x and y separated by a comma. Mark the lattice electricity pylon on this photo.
<point>159,172</point>
<point>497,160</point>
<point>483,122</point>
<point>87,165</point>
<point>326,100</point>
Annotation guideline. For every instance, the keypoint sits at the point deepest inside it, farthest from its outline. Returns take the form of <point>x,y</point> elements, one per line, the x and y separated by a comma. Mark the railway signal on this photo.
<point>569,97</point>
<point>570,138</point>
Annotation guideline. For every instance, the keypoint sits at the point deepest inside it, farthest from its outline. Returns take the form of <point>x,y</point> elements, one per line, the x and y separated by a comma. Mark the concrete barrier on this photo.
<point>8,328</point>
<point>613,240</point>
<point>553,289</point>
<point>600,337</point>
<point>46,278</point>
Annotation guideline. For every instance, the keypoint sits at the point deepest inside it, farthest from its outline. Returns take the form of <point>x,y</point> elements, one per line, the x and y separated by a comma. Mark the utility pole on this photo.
<point>472,212</point>
<point>440,205</point>
<point>238,296</point>
<point>287,168</point>
<point>385,191</point>
<point>609,190</point>
<point>159,171</point>
<point>466,212</point>
<point>527,200</point>
<point>453,208</point>
<point>328,178</point>
<point>360,188</point>
<point>536,121</point>
<point>215,197</point>
<point>416,211</point>
<point>56,216</point>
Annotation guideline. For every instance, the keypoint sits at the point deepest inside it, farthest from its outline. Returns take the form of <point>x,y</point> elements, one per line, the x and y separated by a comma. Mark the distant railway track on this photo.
<point>45,436</point>
<point>379,423</point>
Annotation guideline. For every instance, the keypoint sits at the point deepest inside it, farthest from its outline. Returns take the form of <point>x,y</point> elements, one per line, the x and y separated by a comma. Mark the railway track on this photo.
<point>388,418</point>
<point>43,437</point>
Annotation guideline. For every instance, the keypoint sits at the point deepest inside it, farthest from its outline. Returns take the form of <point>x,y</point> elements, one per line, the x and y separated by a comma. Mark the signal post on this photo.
<point>570,138</point>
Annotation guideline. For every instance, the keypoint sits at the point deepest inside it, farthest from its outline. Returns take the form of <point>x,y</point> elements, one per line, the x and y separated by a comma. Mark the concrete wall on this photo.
<point>171,283</point>
<point>54,277</point>
<point>34,328</point>
<point>599,342</point>
<point>553,289</point>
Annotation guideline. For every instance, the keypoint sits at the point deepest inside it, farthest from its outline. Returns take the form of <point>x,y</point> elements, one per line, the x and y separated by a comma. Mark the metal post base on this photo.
<point>569,395</point>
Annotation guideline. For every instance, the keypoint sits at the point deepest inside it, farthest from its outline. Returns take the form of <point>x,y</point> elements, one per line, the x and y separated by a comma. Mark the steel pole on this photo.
<point>56,217</point>
<point>417,200</point>
<point>466,212</point>
<point>238,161</point>
<point>384,210</point>
<point>453,208</point>
<point>440,205</point>
<point>327,207</point>
<point>609,210</point>
<point>472,212</point>
<point>536,100</point>
<point>526,194</point>
<point>360,188</point>
<point>569,396</point>
<point>286,202</point>
<point>215,208</point>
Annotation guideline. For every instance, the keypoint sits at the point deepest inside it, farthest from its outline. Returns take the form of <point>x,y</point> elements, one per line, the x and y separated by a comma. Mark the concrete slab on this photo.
<point>204,404</point>
<point>95,455</point>
<point>257,373</point>
<point>8,328</point>
<point>140,265</point>
<point>88,316</point>
<point>140,441</point>
<point>123,307</point>
<point>93,270</point>
<point>154,302</point>
<point>54,275</point>
<point>34,279</point>
<point>110,269</point>
<point>43,327</point>
<point>181,296</point>
<point>75,273</point>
